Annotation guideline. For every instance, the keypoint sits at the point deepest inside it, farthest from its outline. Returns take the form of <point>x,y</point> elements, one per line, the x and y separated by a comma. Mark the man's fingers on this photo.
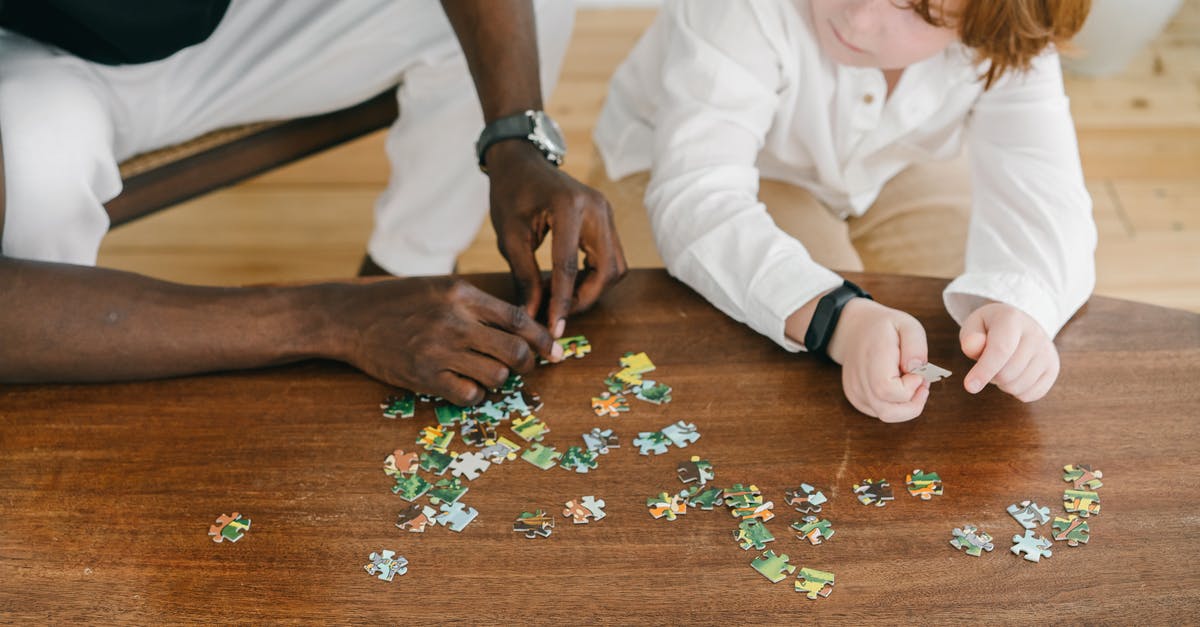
<point>506,348</point>
<point>604,264</point>
<point>527,276</point>
<point>564,241</point>
<point>519,322</point>
<point>457,389</point>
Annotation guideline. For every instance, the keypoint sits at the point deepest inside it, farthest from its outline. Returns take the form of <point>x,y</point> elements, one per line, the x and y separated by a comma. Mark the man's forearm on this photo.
<point>499,39</point>
<point>75,323</point>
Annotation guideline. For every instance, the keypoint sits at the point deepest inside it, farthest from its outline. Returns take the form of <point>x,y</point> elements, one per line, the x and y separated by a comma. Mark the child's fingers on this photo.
<point>1042,386</point>
<point>1018,367</point>
<point>914,347</point>
<point>899,412</point>
<point>999,347</point>
<point>973,335</point>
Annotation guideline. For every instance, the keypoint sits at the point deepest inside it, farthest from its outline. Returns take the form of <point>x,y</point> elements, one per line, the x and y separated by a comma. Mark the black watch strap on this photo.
<point>519,125</point>
<point>825,318</point>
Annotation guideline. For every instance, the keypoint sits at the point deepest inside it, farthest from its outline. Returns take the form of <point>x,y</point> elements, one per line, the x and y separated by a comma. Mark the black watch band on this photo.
<point>511,127</point>
<point>825,318</point>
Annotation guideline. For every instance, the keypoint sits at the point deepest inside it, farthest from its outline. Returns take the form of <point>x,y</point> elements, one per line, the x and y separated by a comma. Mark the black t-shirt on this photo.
<point>115,32</point>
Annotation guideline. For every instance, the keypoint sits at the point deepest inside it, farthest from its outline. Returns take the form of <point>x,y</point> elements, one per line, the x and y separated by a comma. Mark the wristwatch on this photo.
<point>534,127</point>
<point>825,318</point>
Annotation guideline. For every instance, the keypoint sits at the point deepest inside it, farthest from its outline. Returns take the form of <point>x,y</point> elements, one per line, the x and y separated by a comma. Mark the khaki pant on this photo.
<point>917,226</point>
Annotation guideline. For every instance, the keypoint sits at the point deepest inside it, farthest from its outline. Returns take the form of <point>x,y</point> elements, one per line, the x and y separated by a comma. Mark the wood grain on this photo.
<point>106,491</point>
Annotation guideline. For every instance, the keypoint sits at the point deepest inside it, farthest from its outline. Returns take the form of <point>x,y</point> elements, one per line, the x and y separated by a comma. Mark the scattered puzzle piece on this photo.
<point>761,511</point>
<point>448,415</point>
<point>814,582</point>
<point>1073,530</point>
<point>806,499</point>
<point>702,497</point>
<point>608,404</point>
<point>653,392</point>
<point>774,567</point>
<point>1081,502</point>
<point>231,528</point>
<point>447,491</point>
<point>404,406</point>
<point>544,457</point>
<point>577,459</point>
<point>681,433</point>
<point>436,462</point>
<point>500,450</point>
<point>411,487</point>
<point>478,433</point>
<point>534,524</point>
<point>974,541</point>
<point>400,463</point>
<point>515,402</point>
<point>435,438</point>
<point>491,412</point>
<point>416,517</point>
<point>386,565</point>
<point>585,510</point>
<point>513,383</point>
<point>469,466</point>
<point>739,495</point>
<point>601,441</point>
<point>695,469</point>
<point>456,516</point>
<point>924,484</point>
<point>1029,514</point>
<point>666,505</point>
<point>1034,547</point>
<point>652,442</point>
<point>1082,476</point>
<point>872,492</point>
<point>637,363</point>
<point>752,533</point>
<point>529,428</point>
<point>813,530</point>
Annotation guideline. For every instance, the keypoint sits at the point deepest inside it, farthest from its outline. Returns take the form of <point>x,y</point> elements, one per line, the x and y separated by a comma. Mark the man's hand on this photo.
<point>877,346</point>
<point>1011,350</point>
<point>438,336</point>
<point>530,197</point>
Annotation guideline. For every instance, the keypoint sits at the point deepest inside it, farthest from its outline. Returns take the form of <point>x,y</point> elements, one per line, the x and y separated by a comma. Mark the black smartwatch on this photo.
<point>534,127</point>
<point>825,318</point>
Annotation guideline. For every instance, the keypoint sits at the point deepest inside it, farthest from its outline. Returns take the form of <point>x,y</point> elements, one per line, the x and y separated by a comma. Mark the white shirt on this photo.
<point>718,94</point>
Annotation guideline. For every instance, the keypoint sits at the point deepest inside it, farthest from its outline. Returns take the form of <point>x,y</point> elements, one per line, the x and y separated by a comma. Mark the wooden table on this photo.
<point>107,491</point>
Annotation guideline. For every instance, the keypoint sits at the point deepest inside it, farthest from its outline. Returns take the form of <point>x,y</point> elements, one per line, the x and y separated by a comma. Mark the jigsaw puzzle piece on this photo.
<point>924,484</point>
<point>456,516</point>
<point>652,442</point>
<point>601,440</point>
<point>534,524</point>
<point>695,469</point>
<point>681,433</point>
<point>416,517</point>
<point>752,533</point>
<point>403,405</point>
<point>1082,477</point>
<point>386,564</point>
<point>972,540</point>
<point>653,392</point>
<point>774,567</point>
<point>500,450</point>
<point>469,466</point>
<point>1033,546</point>
<point>806,499</point>
<point>232,528</point>
<point>1073,530</point>
<point>872,492</point>
<point>813,530</point>
<point>702,497</point>
<point>544,457</point>
<point>1029,514</point>
<point>529,428</point>
<point>400,463</point>
<point>814,582</point>
<point>411,487</point>
<point>577,459</point>
<point>436,462</point>
<point>609,404</point>
<point>1081,502</point>
<point>584,510</point>
<point>670,506</point>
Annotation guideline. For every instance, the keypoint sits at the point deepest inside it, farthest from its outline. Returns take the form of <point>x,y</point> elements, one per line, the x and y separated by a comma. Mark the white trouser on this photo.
<point>66,123</point>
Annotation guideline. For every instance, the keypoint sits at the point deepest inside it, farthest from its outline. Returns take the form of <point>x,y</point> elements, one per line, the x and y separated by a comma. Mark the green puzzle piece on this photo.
<point>1073,530</point>
<point>436,462</point>
<point>544,457</point>
<point>774,567</point>
<point>447,490</point>
<point>702,497</point>
<point>410,488</point>
<point>404,406</point>
<point>753,533</point>
<point>448,415</point>
<point>814,582</point>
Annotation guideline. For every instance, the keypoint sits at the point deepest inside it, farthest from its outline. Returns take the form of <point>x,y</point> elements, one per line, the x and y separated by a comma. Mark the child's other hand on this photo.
<point>1011,350</point>
<point>876,346</point>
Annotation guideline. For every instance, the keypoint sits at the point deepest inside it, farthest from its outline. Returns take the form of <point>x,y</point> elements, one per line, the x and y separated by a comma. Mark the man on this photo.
<point>86,85</point>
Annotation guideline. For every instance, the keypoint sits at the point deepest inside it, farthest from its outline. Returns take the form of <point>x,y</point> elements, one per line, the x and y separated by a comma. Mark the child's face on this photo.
<point>885,34</point>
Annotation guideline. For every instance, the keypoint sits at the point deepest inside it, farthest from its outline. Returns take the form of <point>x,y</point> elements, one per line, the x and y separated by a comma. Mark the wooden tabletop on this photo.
<point>107,491</point>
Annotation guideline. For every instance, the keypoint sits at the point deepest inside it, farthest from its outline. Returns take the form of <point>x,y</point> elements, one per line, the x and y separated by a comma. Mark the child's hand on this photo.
<point>876,346</point>
<point>1011,350</point>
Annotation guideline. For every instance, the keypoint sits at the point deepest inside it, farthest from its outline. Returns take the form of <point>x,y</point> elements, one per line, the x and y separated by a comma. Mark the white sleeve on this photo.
<point>1032,239</point>
<point>720,79</point>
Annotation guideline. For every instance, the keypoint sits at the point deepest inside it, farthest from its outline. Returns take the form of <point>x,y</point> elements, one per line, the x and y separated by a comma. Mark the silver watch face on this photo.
<point>548,136</point>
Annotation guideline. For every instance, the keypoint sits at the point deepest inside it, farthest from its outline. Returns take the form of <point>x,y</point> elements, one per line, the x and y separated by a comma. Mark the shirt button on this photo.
<point>868,98</point>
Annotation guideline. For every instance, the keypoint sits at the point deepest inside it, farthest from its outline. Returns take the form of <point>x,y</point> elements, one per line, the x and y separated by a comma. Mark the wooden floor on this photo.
<point>1139,137</point>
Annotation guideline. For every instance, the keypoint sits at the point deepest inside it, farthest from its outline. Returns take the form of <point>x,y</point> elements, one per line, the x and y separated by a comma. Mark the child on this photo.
<point>837,117</point>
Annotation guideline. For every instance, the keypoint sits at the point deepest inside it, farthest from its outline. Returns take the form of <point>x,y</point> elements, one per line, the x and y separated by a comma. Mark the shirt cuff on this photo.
<point>972,290</point>
<point>780,289</point>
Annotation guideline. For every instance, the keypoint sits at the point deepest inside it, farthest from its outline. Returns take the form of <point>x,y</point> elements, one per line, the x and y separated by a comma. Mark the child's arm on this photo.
<point>720,76</point>
<point>1029,263</point>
